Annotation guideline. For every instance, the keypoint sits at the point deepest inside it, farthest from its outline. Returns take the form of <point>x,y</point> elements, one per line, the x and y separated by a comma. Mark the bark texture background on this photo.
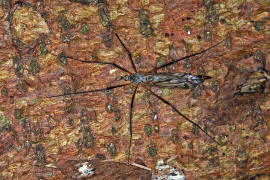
<point>50,138</point>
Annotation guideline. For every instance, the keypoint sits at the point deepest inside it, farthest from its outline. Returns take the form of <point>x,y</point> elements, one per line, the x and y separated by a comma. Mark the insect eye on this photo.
<point>126,78</point>
<point>149,78</point>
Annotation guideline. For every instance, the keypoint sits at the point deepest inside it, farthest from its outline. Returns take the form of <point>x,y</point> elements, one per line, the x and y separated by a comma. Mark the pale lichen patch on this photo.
<point>162,48</point>
<point>28,24</point>
<point>157,19</point>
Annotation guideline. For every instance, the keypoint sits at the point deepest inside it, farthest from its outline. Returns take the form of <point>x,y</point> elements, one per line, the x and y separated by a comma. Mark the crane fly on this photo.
<point>148,80</point>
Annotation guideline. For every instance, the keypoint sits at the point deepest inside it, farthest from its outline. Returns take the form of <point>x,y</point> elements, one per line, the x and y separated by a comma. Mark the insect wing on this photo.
<point>176,80</point>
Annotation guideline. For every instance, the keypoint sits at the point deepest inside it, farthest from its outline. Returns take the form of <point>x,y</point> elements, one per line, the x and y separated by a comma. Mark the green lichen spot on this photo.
<point>107,39</point>
<point>223,139</point>
<point>210,150</point>
<point>241,158</point>
<point>207,35</point>
<point>34,66</point>
<point>104,17</point>
<point>70,107</point>
<point>131,89</point>
<point>147,129</point>
<point>145,25</point>
<point>36,100</point>
<point>187,64</point>
<point>65,24</point>
<point>260,57</point>
<point>4,92</point>
<point>138,59</point>
<point>215,85</point>
<point>18,42</point>
<point>85,29</point>
<point>228,42</point>
<point>43,49</point>
<point>141,96</point>
<point>113,130</point>
<point>151,150</point>
<point>166,92</point>
<point>232,128</point>
<point>111,148</point>
<point>174,136</point>
<point>18,66</point>
<point>190,145</point>
<point>70,121</point>
<point>25,124</point>
<point>161,61</point>
<point>22,102</point>
<point>62,58</point>
<point>21,86</point>
<point>3,121</point>
<point>40,154</point>
<point>259,25</point>
<point>18,113</point>
<point>211,14</point>
<point>88,139</point>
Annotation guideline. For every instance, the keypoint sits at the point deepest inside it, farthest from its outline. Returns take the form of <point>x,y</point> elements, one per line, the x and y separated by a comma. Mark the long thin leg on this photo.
<point>186,57</point>
<point>129,54</point>
<point>130,121</point>
<point>154,70</point>
<point>89,91</point>
<point>97,62</point>
<point>178,112</point>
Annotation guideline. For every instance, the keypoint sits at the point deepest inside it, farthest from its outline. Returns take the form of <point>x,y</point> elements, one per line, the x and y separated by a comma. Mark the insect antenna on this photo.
<point>128,52</point>
<point>186,57</point>
<point>89,91</point>
<point>130,121</point>
<point>179,113</point>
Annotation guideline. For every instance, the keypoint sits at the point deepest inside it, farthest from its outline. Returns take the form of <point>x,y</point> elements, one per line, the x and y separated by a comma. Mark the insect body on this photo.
<point>148,80</point>
<point>167,80</point>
